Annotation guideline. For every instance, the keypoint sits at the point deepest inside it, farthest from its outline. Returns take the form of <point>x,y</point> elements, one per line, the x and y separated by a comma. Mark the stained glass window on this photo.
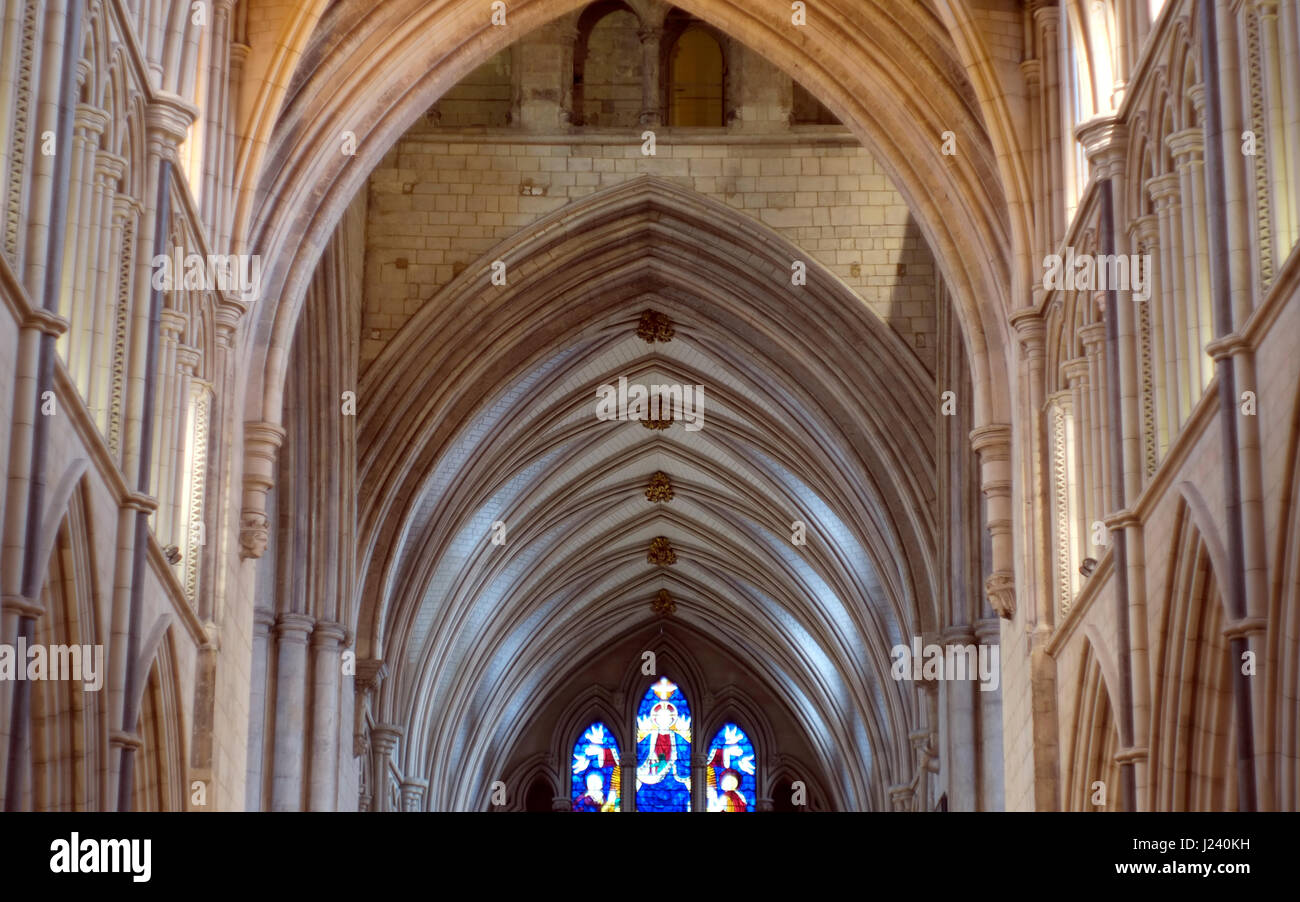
<point>729,770</point>
<point>597,778</point>
<point>663,749</point>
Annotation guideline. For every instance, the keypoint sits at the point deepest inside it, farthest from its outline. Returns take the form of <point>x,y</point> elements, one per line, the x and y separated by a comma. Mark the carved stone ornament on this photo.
<point>1001,589</point>
<point>661,552</point>
<point>663,604</point>
<point>655,326</point>
<point>660,488</point>
<point>254,530</point>
<point>657,424</point>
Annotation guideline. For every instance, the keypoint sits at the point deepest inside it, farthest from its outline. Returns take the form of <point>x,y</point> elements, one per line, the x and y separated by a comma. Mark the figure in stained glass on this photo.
<point>597,777</point>
<point>730,771</point>
<point>663,737</point>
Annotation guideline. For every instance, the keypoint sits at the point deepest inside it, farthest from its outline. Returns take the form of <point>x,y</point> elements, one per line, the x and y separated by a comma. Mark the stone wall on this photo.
<point>441,202</point>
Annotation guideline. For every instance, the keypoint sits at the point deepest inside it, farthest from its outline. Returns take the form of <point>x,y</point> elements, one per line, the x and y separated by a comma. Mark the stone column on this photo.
<point>628,801</point>
<point>1280,91</point>
<point>961,751</point>
<point>1093,338</point>
<point>1164,192</point>
<point>989,795</point>
<point>1080,481</point>
<point>327,641</point>
<point>1187,147</point>
<point>263,620</point>
<point>651,36</point>
<point>170,327</point>
<point>290,702</point>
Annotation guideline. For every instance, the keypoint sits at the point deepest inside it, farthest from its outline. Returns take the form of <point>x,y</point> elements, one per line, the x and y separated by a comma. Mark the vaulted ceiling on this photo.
<point>814,412</point>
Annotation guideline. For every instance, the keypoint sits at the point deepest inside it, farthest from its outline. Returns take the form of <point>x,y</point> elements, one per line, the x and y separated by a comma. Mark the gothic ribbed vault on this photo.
<point>815,412</point>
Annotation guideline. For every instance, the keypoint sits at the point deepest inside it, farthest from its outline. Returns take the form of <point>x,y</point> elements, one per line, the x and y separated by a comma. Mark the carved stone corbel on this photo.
<point>1001,589</point>
<point>993,445</point>
<point>262,443</point>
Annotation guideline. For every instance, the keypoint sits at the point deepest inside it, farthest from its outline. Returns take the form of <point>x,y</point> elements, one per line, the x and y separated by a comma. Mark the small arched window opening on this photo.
<point>607,61</point>
<point>540,796</point>
<point>696,73</point>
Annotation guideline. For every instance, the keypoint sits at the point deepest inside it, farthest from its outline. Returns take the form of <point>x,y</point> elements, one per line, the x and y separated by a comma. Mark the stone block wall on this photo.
<point>441,202</point>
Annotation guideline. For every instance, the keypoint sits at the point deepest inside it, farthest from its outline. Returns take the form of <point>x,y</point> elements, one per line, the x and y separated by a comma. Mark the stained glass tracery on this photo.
<point>663,749</point>
<point>597,778</point>
<point>730,769</point>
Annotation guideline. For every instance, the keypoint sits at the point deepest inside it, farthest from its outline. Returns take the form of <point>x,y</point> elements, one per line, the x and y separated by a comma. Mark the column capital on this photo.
<point>1186,145</point>
<point>22,606</point>
<point>171,322</point>
<point>45,321</point>
<point>109,166</point>
<point>327,633</point>
<point>1104,139</point>
<point>188,358</point>
<point>293,627</point>
<point>1164,190</point>
<point>991,442</point>
<point>1075,371</point>
<point>1145,230</point>
<point>1028,323</point>
<point>1032,72</point>
<point>91,118</point>
<point>139,502</point>
<point>1131,755</point>
<point>1229,345</point>
<point>125,739</point>
<point>1121,520</point>
<point>168,118</point>
<point>1245,628</point>
<point>1093,336</point>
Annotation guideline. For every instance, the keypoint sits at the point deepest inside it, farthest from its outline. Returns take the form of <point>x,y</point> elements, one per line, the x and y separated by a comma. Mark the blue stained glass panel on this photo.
<point>595,785</point>
<point>730,771</point>
<point>663,749</point>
